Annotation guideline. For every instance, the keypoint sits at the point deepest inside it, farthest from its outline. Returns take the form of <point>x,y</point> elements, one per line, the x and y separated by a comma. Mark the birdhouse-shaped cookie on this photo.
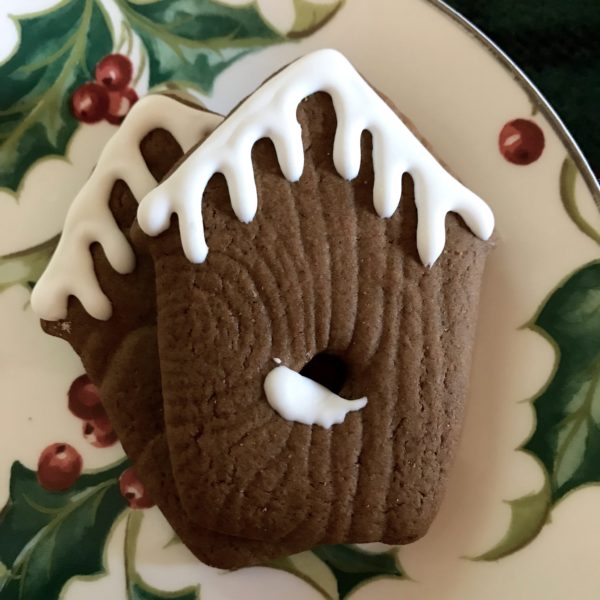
<point>282,336</point>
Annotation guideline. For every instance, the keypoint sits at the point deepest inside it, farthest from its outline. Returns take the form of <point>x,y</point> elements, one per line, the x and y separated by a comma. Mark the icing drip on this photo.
<point>89,220</point>
<point>271,112</point>
<point>298,398</point>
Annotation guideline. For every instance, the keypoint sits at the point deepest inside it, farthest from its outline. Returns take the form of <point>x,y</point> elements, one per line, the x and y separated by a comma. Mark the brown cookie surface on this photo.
<point>316,271</point>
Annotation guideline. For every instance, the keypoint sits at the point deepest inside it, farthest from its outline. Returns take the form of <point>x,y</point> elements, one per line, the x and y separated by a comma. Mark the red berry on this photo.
<point>84,399</point>
<point>133,490</point>
<point>89,103</point>
<point>114,72</point>
<point>99,432</point>
<point>521,142</point>
<point>120,104</point>
<point>59,467</point>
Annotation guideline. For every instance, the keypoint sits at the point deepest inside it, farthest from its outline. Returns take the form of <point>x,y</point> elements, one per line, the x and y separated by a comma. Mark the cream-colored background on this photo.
<point>459,96</point>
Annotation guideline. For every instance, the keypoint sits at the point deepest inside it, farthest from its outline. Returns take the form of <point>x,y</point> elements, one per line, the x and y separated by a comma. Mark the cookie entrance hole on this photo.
<point>327,369</point>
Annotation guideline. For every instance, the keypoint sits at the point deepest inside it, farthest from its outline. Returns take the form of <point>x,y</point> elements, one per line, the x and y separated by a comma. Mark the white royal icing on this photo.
<point>89,220</point>
<point>298,398</point>
<point>271,112</point>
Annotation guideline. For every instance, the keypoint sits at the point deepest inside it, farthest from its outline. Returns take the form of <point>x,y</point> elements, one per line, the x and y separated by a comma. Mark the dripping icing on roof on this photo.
<point>89,219</point>
<point>271,112</point>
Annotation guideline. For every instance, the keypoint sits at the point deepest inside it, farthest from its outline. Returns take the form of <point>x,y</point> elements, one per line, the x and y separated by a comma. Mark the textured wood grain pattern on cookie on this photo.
<point>121,357</point>
<point>134,386</point>
<point>315,271</point>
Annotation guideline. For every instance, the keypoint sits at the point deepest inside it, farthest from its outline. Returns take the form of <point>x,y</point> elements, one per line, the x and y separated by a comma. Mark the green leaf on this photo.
<point>312,570</point>
<point>352,567</point>
<point>58,51</point>
<point>568,175</point>
<point>137,589</point>
<point>310,17</point>
<point>567,435</point>
<point>48,537</point>
<point>187,42</point>
<point>193,42</point>
<point>528,515</point>
<point>25,267</point>
<point>566,439</point>
<point>336,571</point>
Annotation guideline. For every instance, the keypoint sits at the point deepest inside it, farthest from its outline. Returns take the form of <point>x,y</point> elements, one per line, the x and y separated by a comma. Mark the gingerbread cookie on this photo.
<point>315,308</point>
<point>253,449</point>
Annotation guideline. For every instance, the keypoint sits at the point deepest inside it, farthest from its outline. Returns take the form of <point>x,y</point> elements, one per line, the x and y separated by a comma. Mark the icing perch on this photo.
<point>271,112</point>
<point>298,398</point>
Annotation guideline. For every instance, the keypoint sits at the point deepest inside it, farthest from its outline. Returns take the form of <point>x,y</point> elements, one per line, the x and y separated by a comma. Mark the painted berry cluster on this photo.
<point>60,464</point>
<point>110,96</point>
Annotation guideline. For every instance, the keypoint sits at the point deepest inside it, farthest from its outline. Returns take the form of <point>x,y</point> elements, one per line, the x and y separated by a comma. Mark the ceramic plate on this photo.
<point>520,518</point>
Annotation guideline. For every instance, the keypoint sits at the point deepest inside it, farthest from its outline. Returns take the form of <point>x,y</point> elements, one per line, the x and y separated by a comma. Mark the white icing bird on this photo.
<point>298,398</point>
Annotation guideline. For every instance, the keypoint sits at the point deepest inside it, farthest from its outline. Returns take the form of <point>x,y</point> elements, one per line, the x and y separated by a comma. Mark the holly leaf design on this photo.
<point>141,591</point>
<point>137,589</point>
<point>186,43</point>
<point>567,437</point>
<point>566,441</point>
<point>528,515</point>
<point>310,17</point>
<point>193,42</point>
<point>312,570</point>
<point>351,567</point>
<point>57,52</point>
<point>48,537</point>
<point>568,175</point>
<point>25,267</point>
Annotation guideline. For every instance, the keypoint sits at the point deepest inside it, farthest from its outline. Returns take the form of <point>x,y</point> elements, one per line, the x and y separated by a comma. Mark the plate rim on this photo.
<point>536,96</point>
